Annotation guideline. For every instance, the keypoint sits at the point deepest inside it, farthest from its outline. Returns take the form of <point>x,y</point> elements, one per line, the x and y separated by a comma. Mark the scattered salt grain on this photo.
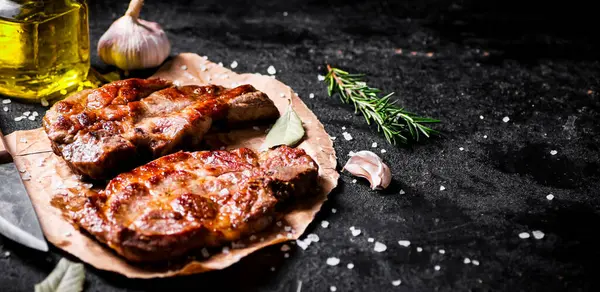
<point>289,235</point>
<point>17,119</point>
<point>282,95</point>
<point>354,181</point>
<point>524,235</point>
<point>332,289</point>
<point>475,262</point>
<point>237,245</point>
<point>35,114</point>
<point>271,70</point>
<point>262,239</point>
<point>442,188</point>
<point>23,140</point>
<point>5,108</point>
<point>68,233</point>
<point>320,77</point>
<point>332,138</point>
<point>6,101</point>
<point>333,210</point>
<point>374,145</point>
<point>220,64</point>
<point>370,239</point>
<point>303,244</point>
<point>355,232</point>
<point>402,192</point>
<point>31,118</point>
<point>419,249</point>
<point>333,261</point>
<point>347,136</point>
<point>203,68</point>
<point>537,234</point>
<point>272,269</point>
<point>379,247</point>
<point>481,117</point>
<point>550,197</point>
<point>484,136</point>
<point>205,253</point>
<point>553,152</point>
<point>383,151</point>
<point>224,192</point>
<point>506,119</point>
<point>286,255</point>
<point>255,128</point>
<point>466,261</point>
<point>184,67</point>
<point>396,282</point>
<point>404,243</point>
<point>225,250</point>
<point>44,102</point>
<point>279,223</point>
<point>6,254</point>
<point>313,237</point>
<point>287,228</point>
<point>437,267</point>
<point>441,251</point>
<point>233,65</point>
<point>285,13</point>
<point>461,149</point>
<point>324,224</point>
<point>312,95</point>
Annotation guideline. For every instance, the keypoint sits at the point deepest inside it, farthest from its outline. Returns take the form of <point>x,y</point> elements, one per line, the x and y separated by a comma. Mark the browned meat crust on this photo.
<point>189,200</point>
<point>105,131</point>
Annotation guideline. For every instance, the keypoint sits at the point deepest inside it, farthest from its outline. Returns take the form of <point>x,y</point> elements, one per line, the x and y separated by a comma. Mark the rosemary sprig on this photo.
<point>391,119</point>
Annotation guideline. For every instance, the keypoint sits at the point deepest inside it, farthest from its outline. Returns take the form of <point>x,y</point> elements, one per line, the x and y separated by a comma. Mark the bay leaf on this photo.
<point>67,276</point>
<point>287,130</point>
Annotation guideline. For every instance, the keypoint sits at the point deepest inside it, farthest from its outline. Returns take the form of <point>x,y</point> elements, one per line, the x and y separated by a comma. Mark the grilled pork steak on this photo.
<point>188,200</point>
<point>104,131</point>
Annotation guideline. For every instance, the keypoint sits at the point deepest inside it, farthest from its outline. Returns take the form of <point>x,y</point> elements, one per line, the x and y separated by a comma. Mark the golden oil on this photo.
<point>44,47</point>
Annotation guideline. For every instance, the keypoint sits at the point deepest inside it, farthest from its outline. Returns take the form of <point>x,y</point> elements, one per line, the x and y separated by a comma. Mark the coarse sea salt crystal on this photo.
<point>289,235</point>
<point>466,261</point>
<point>343,128</point>
<point>370,239</point>
<point>233,65</point>
<point>320,77</point>
<point>437,267</point>
<point>481,117</point>
<point>332,289</point>
<point>355,232</point>
<point>404,243</point>
<point>506,119</point>
<point>313,237</point>
<point>35,114</point>
<point>379,247</point>
<point>475,262</point>
<point>550,197</point>
<point>354,181</point>
<point>537,234</point>
<point>312,95</point>
<point>287,228</point>
<point>419,249</point>
<point>303,244</point>
<point>396,282</point>
<point>524,235</point>
<point>374,145</point>
<point>31,118</point>
<point>402,192</point>
<point>347,136</point>
<point>484,136</point>
<point>6,101</point>
<point>286,255</point>
<point>333,261</point>
<point>224,192</point>
<point>271,70</point>
<point>442,188</point>
<point>324,224</point>
<point>26,176</point>
<point>17,119</point>
<point>333,210</point>
<point>461,149</point>
<point>5,108</point>
<point>220,64</point>
<point>441,251</point>
<point>553,152</point>
<point>183,67</point>
<point>383,151</point>
<point>350,266</point>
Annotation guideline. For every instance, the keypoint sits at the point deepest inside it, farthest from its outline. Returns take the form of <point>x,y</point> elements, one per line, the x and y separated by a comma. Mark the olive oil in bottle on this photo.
<point>44,47</point>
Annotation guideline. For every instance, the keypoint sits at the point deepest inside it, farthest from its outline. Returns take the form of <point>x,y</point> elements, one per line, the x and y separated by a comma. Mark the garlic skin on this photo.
<point>131,43</point>
<point>367,164</point>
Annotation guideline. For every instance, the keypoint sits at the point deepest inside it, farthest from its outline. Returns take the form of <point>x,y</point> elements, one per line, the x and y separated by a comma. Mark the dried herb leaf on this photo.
<point>288,130</point>
<point>66,277</point>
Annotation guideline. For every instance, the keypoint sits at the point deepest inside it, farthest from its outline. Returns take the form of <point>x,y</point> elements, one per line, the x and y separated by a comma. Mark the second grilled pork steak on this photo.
<point>103,131</point>
<point>185,201</point>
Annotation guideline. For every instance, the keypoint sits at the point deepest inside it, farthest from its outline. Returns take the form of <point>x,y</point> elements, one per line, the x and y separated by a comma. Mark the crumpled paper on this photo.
<point>46,175</point>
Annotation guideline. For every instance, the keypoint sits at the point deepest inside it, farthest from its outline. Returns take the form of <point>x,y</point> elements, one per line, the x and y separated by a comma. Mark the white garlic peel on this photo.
<point>131,43</point>
<point>367,164</point>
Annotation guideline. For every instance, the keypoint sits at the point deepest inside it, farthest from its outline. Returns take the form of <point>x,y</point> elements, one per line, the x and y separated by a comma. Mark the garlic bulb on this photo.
<point>367,164</point>
<point>131,43</point>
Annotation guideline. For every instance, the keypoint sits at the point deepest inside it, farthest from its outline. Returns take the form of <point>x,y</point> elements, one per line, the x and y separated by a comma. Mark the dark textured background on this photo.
<point>542,71</point>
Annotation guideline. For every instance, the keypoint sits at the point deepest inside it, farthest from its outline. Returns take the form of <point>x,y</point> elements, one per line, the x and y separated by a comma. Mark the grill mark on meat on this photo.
<point>189,200</point>
<point>136,120</point>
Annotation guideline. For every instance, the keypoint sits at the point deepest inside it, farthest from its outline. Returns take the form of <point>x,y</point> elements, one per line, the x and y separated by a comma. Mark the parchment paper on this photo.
<point>46,174</point>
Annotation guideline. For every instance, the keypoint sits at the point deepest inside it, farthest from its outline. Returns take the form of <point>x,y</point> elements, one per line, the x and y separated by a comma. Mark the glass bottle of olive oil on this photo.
<point>44,47</point>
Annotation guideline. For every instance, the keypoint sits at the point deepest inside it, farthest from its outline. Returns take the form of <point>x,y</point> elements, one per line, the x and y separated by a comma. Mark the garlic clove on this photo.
<point>131,43</point>
<point>367,164</point>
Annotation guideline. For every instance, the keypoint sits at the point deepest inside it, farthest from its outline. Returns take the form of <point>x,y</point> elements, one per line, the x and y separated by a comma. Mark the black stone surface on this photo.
<point>535,63</point>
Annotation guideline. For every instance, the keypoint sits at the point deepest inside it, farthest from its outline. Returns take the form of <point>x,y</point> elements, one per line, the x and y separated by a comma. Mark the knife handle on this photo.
<point>4,154</point>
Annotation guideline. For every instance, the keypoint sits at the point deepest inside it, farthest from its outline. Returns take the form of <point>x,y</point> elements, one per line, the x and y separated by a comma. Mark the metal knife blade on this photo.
<point>18,220</point>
